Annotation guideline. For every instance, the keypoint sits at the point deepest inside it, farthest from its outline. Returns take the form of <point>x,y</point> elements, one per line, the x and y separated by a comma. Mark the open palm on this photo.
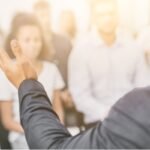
<point>19,70</point>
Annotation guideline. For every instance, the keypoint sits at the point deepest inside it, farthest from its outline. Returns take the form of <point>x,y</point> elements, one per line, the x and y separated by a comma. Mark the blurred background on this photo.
<point>87,53</point>
<point>134,14</point>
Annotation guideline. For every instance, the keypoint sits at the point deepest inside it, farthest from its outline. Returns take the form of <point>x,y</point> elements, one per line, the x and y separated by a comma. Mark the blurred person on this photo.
<point>60,47</point>
<point>68,24</point>
<point>27,31</point>
<point>126,127</point>
<point>4,142</point>
<point>102,67</point>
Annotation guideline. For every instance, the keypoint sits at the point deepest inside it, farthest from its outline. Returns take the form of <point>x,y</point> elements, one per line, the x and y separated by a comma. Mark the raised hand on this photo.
<point>16,70</point>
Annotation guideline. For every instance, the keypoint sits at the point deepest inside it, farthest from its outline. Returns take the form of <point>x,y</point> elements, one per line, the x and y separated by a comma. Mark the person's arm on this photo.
<point>57,105</point>
<point>67,98</point>
<point>42,127</point>
<point>8,119</point>
<point>58,85</point>
<point>7,116</point>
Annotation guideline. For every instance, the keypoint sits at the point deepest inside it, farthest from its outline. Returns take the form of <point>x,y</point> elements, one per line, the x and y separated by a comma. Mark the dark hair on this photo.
<point>19,20</point>
<point>41,4</point>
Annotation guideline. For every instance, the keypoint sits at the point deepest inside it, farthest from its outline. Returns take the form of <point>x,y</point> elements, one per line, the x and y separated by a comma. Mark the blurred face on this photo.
<point>105,17</point>
<point>43,16</point>
<point>30,41</point>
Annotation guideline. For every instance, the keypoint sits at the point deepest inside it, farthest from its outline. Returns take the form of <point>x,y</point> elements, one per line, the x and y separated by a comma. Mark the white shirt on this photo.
<point>99,75</point>
<point>49,77</point>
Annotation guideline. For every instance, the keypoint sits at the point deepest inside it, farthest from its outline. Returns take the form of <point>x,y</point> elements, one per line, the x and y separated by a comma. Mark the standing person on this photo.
<point>102,67</point>
<point>27,31</point>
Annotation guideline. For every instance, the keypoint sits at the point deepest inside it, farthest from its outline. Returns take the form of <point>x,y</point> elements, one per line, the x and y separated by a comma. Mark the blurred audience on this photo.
<point>102,67</point>
<point>27,31</point>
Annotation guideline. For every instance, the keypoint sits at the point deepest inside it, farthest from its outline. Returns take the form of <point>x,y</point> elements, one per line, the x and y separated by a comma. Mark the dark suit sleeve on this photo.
<point>42,127</point>
<point>126,127</point>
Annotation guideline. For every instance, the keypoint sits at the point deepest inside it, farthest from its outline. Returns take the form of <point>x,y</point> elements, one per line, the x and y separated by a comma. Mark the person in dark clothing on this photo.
<point>126,127</point>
